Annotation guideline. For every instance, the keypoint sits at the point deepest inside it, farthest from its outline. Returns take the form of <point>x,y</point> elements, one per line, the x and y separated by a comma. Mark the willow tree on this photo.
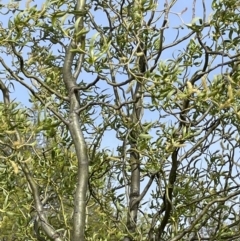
<point>131,125</point>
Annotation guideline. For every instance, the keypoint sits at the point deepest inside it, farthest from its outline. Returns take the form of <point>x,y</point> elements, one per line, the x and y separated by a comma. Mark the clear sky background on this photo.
<point>21,94</point>
<point>181,14</point>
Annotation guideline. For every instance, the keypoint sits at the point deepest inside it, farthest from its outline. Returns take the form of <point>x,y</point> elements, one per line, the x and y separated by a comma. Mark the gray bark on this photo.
<point>74,125</point>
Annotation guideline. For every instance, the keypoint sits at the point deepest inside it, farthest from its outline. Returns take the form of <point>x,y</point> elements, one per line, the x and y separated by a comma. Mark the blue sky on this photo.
<point>181,14</point>
<point>175,20</point>
<point>21,93</point>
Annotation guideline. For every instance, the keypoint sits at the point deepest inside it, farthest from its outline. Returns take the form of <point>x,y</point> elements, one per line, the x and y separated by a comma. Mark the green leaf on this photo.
<point>145,136</point>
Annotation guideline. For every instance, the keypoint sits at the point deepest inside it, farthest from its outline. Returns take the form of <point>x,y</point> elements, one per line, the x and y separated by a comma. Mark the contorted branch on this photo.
<point>23,83</point>
<point>202,213</point>
<point>46,227</point>
<point>75,128</point>
<point>169,193</point>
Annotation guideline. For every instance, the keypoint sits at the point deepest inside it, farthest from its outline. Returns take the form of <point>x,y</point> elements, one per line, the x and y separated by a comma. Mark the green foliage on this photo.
<point>154,102</point>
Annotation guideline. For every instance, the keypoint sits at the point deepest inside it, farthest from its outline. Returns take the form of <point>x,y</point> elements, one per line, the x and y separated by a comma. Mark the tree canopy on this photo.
<point>119,120</point>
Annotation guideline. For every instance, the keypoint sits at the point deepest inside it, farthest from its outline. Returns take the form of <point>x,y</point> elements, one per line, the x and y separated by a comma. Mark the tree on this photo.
<point>131,129</point>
